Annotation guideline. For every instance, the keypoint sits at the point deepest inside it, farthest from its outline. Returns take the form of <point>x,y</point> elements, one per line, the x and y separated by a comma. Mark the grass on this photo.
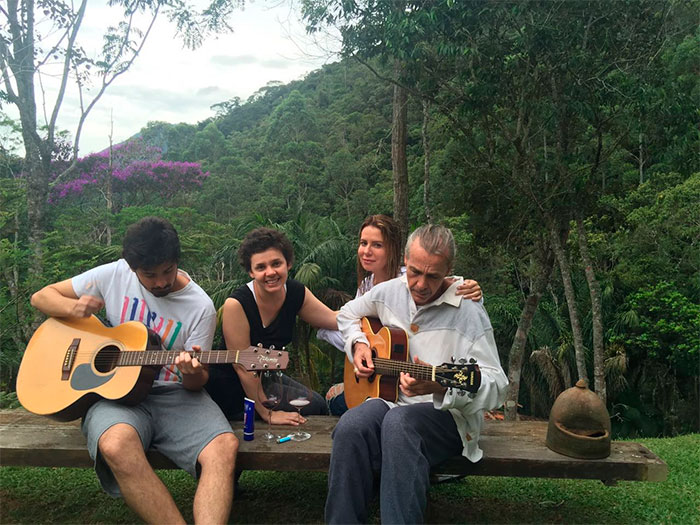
<point>60,495</point>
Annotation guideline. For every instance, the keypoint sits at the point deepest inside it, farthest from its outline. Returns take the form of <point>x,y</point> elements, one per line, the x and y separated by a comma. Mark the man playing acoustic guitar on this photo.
<point>177,417</point>
<point>429,423</point>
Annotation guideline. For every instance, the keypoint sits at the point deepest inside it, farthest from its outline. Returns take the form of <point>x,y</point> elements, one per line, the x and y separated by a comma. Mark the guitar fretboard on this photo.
<point>393,368</point>
<point>167,357</point>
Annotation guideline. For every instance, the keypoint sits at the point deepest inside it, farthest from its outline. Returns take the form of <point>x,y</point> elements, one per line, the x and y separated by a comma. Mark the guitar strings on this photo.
<point>417,370</point>
<point>103,358</point>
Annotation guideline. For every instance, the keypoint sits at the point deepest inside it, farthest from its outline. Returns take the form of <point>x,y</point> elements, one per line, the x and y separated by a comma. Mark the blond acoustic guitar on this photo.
<point>69,364</point>
<point>390,357</point>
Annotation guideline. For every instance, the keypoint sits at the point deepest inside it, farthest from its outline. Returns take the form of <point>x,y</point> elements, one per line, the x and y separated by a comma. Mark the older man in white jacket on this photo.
<point>428,423</point>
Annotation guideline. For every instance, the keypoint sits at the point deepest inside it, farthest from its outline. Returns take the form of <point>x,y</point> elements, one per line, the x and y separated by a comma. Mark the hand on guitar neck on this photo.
<point>411,386</point>
<point>194,374</point>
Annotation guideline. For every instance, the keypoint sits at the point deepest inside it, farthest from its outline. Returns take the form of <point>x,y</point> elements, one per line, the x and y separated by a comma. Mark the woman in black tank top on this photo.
<point>264,312</point>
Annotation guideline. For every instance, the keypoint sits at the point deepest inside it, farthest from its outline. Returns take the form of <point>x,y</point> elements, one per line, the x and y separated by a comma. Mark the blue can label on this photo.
<point>248,419</point>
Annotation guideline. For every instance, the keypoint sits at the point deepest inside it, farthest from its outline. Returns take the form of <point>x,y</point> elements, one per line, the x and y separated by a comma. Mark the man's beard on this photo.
<point>161,292</point>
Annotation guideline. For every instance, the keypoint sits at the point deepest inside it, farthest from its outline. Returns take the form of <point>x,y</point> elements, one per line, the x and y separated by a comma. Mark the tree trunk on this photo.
<point>21,331</point>
<point>399,164</point>
<point>426,161</point>
<point>565,271</point>
<point>596,312</point>
<point>37,192</point>
<point>517,349</point>
<point>37,155</point>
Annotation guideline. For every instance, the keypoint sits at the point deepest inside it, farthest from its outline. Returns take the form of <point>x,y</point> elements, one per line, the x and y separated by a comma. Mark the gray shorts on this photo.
<point>176,422</point>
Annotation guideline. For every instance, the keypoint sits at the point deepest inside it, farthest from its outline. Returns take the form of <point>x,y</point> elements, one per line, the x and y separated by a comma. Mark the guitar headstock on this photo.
<point>459,375</point>
<point>257,358</point>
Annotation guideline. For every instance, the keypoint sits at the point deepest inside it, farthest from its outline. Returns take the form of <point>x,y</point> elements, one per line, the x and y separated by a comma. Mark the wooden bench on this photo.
<point>510,449</point>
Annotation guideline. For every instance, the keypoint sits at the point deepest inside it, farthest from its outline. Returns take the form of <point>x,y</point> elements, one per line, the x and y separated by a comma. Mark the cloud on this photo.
<point>156,98</point>
<point>247,60</point>
<point>239,60</point>
<point>210,91</point>
<point>277,63</point>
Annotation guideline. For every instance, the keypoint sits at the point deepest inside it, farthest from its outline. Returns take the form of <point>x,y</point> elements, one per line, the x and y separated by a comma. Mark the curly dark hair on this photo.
<point>262,239</point>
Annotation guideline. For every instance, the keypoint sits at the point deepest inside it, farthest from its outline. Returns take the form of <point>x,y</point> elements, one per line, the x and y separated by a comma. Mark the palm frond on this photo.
<point>549,368</point>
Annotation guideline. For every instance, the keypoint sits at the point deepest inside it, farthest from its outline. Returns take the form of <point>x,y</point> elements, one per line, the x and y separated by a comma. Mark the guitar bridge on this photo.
<point>69,359</point>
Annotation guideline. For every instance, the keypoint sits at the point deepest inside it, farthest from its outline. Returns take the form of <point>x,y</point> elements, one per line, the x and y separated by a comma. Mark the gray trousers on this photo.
<point>401,444</point>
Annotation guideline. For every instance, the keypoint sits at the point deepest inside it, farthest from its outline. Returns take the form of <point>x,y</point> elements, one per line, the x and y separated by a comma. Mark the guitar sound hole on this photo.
<point>106,359</point>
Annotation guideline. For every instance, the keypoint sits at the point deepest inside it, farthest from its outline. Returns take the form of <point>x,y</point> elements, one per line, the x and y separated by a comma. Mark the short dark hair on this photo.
<point>150,242</point>
<point>262,239</point>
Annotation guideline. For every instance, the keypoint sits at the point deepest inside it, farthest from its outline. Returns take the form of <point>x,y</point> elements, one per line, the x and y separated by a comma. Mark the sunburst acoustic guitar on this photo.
<point>69,364</point>
<point>390,357</point>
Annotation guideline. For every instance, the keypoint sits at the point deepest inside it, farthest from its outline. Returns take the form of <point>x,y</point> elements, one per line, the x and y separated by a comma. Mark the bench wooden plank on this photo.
<point>510,449</point>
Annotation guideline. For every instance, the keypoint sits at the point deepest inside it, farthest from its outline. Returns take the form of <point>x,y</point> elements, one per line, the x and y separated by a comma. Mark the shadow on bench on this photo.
<point>510,449</point>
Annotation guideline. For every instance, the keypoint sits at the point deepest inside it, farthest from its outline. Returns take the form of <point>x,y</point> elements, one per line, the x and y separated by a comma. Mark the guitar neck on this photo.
<point>394,368</point>
<point>167,357</point>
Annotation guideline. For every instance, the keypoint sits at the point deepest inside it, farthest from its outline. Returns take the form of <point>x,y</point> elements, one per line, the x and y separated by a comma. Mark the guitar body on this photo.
<point>385,342</point>
<point>46,385</point>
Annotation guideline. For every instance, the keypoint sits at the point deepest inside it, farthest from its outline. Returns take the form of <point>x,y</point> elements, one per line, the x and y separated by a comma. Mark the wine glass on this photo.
<point>270,395</point>
<point>300,395</point>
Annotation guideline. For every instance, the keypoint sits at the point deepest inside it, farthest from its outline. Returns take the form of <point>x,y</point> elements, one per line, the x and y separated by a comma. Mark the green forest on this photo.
<point>559,141</point>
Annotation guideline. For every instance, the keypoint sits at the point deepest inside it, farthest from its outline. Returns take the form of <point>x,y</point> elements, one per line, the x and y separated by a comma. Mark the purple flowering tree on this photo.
<point>128,174</point>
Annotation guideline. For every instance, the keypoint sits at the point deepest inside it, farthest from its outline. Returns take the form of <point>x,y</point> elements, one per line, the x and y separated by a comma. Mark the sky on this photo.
<point>173,84</point>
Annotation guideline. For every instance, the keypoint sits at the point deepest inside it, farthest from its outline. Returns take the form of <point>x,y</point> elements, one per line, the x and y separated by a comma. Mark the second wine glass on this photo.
<point>300,396</point>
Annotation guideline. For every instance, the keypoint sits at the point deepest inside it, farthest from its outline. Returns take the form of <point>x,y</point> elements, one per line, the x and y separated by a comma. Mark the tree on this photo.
<point>398,156</point>
<point>540,138</point>
<point>516,356</point>
<point>26,54</point>
<point>662,344</point>
<point>208,144</point>
<point>369,30</point>
<point>135,174</point>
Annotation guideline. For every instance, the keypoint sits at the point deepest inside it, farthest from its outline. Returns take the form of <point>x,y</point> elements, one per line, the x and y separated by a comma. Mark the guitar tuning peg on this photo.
<point>452,359</point>
<point>272,347</point>
<point>472,360</point>
<point>471,395</point>
<point>259,345</point>
<point>462,361</point>
<point>461,393</point>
